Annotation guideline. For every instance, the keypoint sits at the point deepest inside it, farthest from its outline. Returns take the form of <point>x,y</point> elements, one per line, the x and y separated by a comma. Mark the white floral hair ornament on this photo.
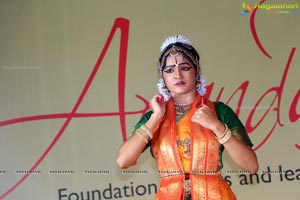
<point>174,39</point>
<point>202,89</point>
<point>162,88</point>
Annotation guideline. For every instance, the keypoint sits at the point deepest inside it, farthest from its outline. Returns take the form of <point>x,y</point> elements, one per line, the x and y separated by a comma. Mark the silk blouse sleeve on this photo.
<point>142,121</point>
<point>227,116</point>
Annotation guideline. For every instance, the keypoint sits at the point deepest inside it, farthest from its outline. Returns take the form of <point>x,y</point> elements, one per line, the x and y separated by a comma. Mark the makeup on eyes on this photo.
<point>183,67</point>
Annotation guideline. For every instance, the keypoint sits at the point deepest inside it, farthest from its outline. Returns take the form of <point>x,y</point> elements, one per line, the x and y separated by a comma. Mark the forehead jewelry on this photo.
<point>174,50</point>
<point>174,53</point>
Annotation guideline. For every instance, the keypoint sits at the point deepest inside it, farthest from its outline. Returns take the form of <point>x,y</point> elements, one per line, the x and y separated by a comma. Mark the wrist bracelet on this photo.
<point>223,134</point>
<point>226,137</point>
<point>146,130</point>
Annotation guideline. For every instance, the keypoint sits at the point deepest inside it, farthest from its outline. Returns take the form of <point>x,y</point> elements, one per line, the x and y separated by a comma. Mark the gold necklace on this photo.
<point>181,108</point>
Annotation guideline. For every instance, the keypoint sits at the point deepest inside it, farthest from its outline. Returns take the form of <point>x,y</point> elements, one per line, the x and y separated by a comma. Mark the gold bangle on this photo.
<point>143,133</point>
<point>223,134</point>
<point>146,130</point>
<point>226,137</point>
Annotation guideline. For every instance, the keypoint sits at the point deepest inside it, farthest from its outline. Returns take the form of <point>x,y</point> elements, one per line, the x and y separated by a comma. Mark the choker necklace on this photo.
<point>181,108</point>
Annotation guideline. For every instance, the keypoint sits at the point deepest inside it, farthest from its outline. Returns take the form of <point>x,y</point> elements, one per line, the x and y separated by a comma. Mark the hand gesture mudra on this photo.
<point>206,118</point>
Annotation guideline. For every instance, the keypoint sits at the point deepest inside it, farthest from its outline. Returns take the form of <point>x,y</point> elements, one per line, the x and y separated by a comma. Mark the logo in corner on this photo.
<point>246,9</point>
<point>271,8</point>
